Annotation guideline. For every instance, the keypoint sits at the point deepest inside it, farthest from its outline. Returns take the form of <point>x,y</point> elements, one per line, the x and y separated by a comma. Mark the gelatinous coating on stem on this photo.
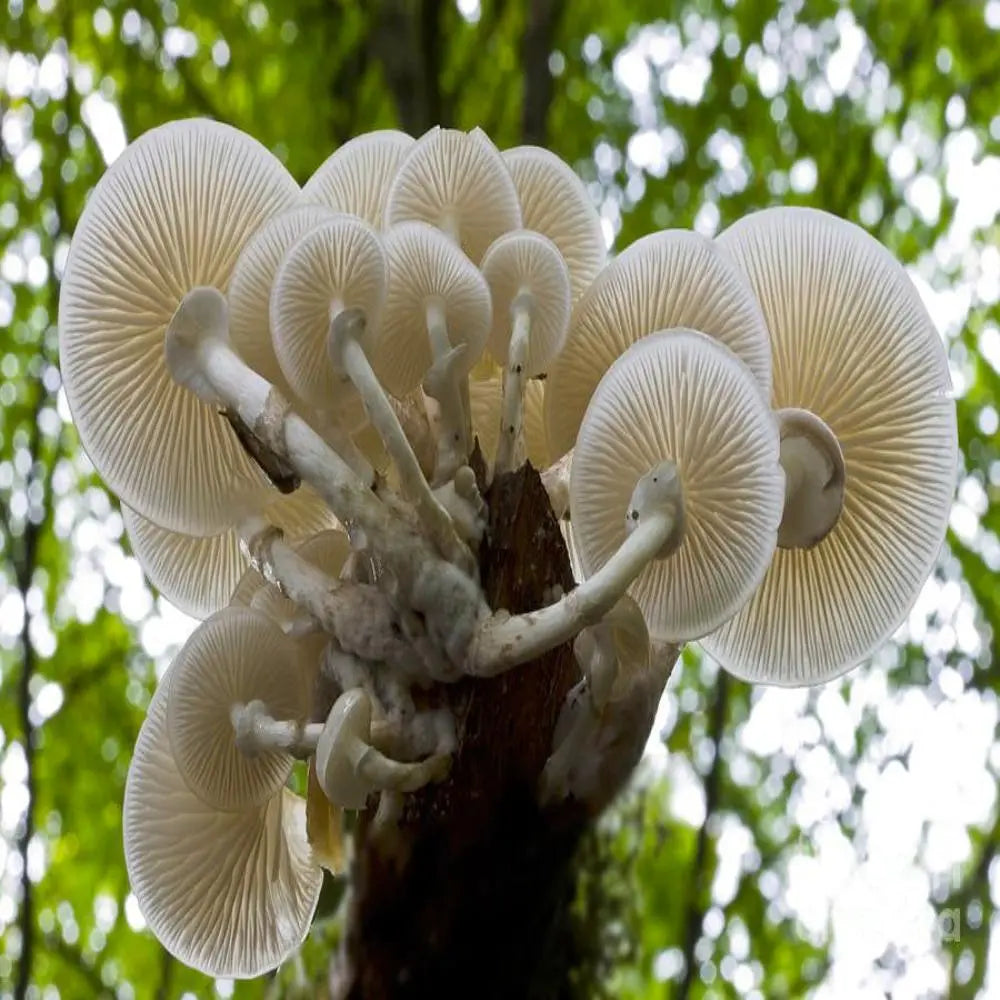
<point>337,265</point>
<point>555,202</point>
<point>670,279</point>
<point>458,182</point>
<point>678,395</point>
<point>235,657</point>
<point>228,893</point>
<point>853,344</point>
<point>173,212</point>
<point>357,177</point>
<point>199,575</point>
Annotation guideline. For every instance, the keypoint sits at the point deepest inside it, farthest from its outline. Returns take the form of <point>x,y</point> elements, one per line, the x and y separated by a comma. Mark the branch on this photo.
<point>695,911</point>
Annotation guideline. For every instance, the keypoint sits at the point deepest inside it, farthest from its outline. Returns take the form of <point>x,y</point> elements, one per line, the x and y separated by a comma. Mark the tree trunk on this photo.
<point>469,893</point>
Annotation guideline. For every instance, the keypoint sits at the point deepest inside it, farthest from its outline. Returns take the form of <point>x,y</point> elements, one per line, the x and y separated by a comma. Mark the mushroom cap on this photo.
<point>523,262</point>
<point>555,202</point>
<point>425,267</point>
<point>233,658</point>
<point>199,575</point>
<point>486,401</point>
<point>227,893</point>
<point>172,213</point>
<point>458,182</point>
<point>680,396</point>
<point>670,279</point>
<point>356,178</point>
<point>350,719</point>
<point>853,344</point>
<point>337,265</point>
<point>250,287</point>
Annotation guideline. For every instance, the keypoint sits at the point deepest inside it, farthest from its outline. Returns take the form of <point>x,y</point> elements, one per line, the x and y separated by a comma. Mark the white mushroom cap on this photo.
<point>555,202</point>
<point>233,658</point>
<point>458,182</point>
<point>525,270</point>
<point>335,266</point>
<point>228,893</point>
<point>670,279</point>
<point>356,178</point>
<point>679,396</point>
<point>425,267</point>
<point>486,398</point>
<point>854,345</point>
<point>199,575</point>
<point>172,213</point>
<point>250,287</point>
<point>349,722</point>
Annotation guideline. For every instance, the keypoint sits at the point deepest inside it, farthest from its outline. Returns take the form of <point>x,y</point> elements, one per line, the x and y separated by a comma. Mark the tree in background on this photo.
<point>882,114</point>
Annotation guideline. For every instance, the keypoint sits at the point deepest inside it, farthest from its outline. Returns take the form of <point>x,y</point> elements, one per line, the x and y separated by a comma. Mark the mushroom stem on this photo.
<point>344,347</point>
<point>386,775</point>
<point>654,524</point>
<point>443,383</point>
<point>510,450</point>
<point>815,477</point>
<point>258,732</point>
<point>199,357</point>
<point>555,479</point>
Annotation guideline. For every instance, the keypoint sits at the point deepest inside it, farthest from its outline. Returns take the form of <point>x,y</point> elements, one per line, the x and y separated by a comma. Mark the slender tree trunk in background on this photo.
<point>470,895</point>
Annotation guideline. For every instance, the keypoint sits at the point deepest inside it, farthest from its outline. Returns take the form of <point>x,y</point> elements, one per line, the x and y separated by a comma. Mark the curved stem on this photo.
<point>510,450</point>
<point>505,641</point>
<point>386,775</point>
<point>443,383</point>
<point>259,732</point>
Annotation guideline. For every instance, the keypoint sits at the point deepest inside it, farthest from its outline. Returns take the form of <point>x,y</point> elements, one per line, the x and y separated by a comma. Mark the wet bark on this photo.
<point>470,895</point>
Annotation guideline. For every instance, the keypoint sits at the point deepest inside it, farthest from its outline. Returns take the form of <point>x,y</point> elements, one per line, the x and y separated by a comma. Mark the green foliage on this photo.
<point>751,123</point>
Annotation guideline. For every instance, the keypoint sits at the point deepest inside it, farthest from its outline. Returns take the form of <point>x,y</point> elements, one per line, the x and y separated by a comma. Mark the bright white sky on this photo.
<point>872,892</point>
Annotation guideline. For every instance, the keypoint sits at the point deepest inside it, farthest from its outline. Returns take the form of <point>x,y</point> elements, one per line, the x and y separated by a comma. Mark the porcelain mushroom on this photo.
<point>458,182</point>
<point>228,893</point>
<point>669,280</point>
<point>236,672</point>
<point>139,247</point>
<point>869,444</point>
<point>555,202</point>
<point>530,290</point>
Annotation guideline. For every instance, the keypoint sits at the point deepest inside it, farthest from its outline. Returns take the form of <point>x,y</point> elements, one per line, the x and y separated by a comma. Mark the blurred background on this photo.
<point>833,843</point>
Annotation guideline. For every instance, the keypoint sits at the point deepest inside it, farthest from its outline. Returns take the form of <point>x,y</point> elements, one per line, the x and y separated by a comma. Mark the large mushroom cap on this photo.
<point>199,575</point>
<point>250,287</point>
<point>524,267</point>
<point>853,344</point>
<point>555,202</point>
<point>679,396</point>
<point>356,178</point>
<point>426,267</point>
<point>337,265</point>
<point>236,657</point>
<point>172,213</point>
<point>670,279</point>
<point>228,893</point>
<point>458,182</point>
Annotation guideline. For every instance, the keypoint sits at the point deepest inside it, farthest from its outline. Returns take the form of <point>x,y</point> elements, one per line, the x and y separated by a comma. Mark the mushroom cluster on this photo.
<point>749,441</point>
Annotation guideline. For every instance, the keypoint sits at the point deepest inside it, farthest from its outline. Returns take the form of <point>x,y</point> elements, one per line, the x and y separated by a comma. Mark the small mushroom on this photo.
<point>236,658</point>
<point>458,182</point>
<point>869,446</point>
<point>669,280</point>
<point>530,289</point>
<point>349,768</point>
<point>199,575</point>
<point>357,177</point>
<point>172,212</point>
<point>555,202</point>
<point>227,893</point>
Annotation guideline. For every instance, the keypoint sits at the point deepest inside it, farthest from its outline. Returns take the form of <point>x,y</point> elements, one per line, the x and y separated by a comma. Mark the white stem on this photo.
<point>510,450</point>
<point>443,383</point>
<point>556,479</point>
<point>383,774</point>
<point>257,732</point>
<point>346,350</point>
<point>503,642</point>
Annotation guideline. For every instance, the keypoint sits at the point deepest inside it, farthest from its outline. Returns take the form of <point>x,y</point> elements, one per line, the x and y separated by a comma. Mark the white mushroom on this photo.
<point>869,446</point>
<point>228,893</point>
<point>172,212</point>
